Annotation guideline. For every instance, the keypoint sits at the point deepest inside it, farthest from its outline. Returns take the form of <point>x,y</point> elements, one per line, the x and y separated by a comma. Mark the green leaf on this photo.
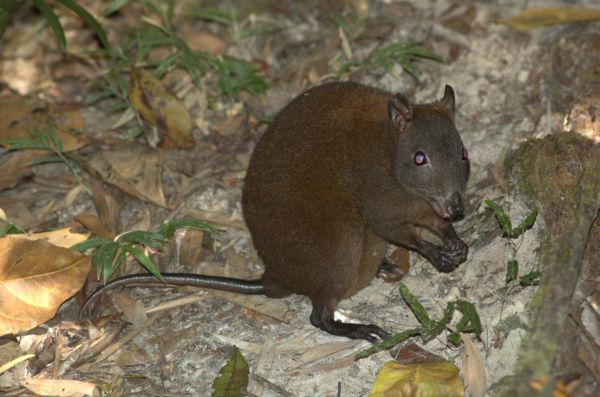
<point>151,239</point>
<point>525,224</point>
<point>468,310</point>
<point>501,216</point>
<point>88,19</point>
<point>232,380</point>
<point>439,326</point>
<point>454,338</point>
<point>531,278</point>
<point>54,138</point>
<point>53,22</point>
<point>94,242</point>
<point>236,75</point>
<point>416,307</point>
<point>389,342</point>
<point>512,270</point>
<point>168,229</point>
<point>33,142</point>
<point>143,259</point>
<point>50,158</point>
<point>6,10</point>
<point>7,227</point>
<point>404,55</point>
<point>105,260</point>
<point>114,6</point>
<point>268,118</point>
<point>340,23</point>
<point>224,17</point>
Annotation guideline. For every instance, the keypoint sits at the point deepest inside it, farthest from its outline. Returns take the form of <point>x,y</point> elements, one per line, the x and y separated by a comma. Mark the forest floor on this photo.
<point>136,177</point>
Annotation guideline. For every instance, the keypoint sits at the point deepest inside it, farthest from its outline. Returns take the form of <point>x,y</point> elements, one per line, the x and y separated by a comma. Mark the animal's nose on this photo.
<point>455,208</point>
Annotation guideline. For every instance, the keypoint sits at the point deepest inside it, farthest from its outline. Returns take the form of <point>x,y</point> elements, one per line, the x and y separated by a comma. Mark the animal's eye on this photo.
<point>420,158</point>
<point>465,154</point>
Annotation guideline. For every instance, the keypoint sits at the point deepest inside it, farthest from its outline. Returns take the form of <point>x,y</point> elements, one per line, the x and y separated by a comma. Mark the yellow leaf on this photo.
<point>437,379</point>
<point>534,18</point>
<point>159,107</point>
<point>36,277</point>
<point>60,237</point>
<point>539,384</point>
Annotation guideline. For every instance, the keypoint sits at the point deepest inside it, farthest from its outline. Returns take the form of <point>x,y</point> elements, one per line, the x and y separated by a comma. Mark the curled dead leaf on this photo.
<point>160,108</point>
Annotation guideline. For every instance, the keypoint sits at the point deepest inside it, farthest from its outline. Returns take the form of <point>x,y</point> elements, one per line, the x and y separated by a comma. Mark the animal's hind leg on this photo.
<point>322,318</point>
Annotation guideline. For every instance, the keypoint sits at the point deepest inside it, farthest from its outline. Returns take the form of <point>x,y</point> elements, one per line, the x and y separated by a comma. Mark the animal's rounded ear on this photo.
<point>448,100</point>
<point>400,112</point>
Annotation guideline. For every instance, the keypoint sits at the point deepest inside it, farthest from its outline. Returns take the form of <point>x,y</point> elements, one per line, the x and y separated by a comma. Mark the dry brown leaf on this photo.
<point>133,310</point>
<point>428,379</point>
<point>93,224</point>
<point>190,247</point>
<point>203,41</point>
<point>14,168</point>
<point>534,18</point>
<point>109,203</point>
<point>64,237</point>
<point>411,353</point>
<point>160,108</point>
<point>61,387</point>
<point>19,116</point>
<point>123,341</point>
<point>134,170</point>
<point>18,213</point>
<point>68,117</point>
<point>105,338</point>
<point>473,367</point>
<point>36,277</point>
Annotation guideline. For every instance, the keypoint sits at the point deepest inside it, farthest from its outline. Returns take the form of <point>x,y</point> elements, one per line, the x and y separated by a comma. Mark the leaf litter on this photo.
<point>145,186</point>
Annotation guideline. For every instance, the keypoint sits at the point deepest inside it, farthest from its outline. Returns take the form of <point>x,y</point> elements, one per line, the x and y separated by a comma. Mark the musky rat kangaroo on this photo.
<point>343,170</point>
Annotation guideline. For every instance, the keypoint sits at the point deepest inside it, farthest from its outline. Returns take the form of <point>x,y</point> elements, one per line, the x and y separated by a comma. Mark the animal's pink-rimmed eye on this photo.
<point>420,158</point>
<point>465,154</point>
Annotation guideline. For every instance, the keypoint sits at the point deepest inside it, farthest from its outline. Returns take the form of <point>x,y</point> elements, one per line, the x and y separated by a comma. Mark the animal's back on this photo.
<point>301,200</point>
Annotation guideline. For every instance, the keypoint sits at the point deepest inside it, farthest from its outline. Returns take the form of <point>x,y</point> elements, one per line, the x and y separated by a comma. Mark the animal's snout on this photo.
<point>454,208</point>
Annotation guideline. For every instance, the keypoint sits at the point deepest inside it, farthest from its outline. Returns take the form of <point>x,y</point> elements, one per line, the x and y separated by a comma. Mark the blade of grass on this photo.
<point>93,242</point>
<point>88,19</point>
<point>501,216</point>
<point>388,343</point>
<point>114,6</point>
<point>469,311</point>
<point>6,10</point>
<point>526,224</point>
<point>143,259</point>
<point>151,239</point>
<point>53,22</point>
<point>512,270</point>
<point>416,307</point>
